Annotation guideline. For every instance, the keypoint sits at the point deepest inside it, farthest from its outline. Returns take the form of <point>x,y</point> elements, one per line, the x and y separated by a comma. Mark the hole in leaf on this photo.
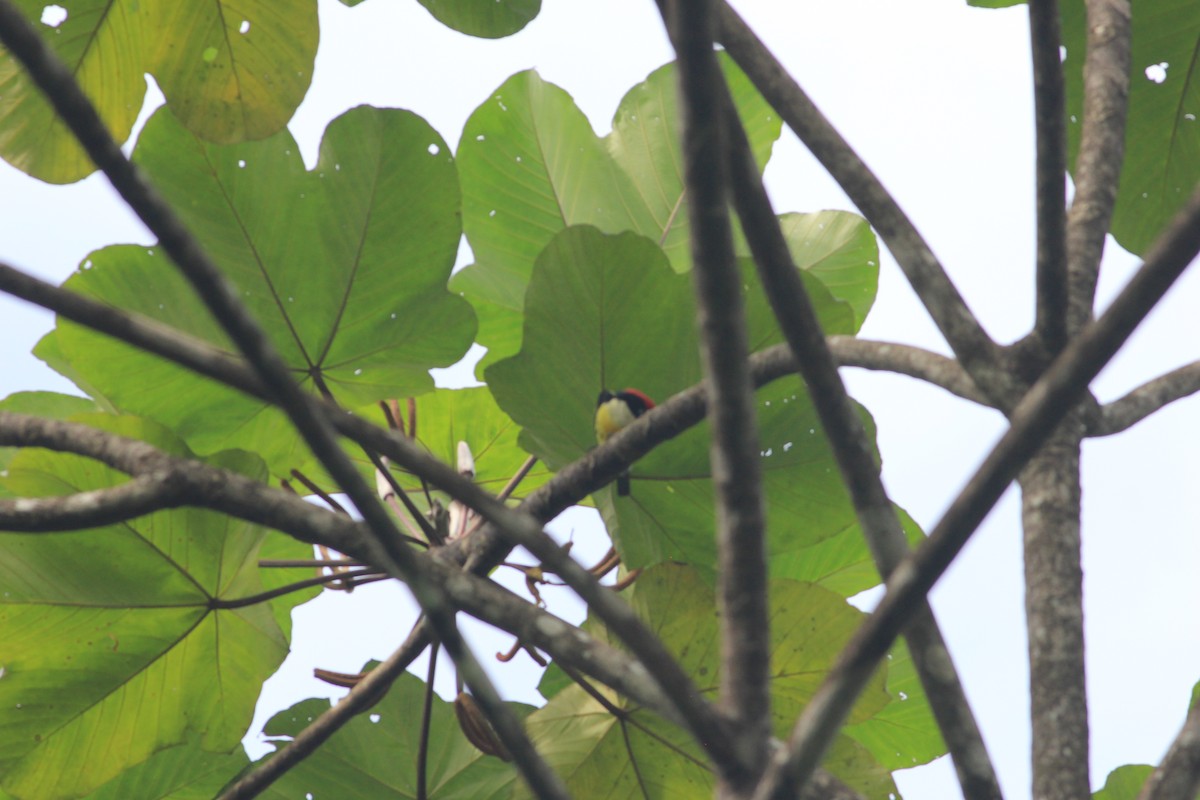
<point>244,28</point>
<point>433,149</point>
<point>1157,72</point>
<point>53,16</point>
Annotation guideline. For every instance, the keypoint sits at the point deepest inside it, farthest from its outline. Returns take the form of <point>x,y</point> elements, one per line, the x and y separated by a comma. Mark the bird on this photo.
<point>616,411</point>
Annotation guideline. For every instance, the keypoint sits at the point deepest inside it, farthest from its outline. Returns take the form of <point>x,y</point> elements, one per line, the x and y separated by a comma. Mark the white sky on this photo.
<point>936,97</point>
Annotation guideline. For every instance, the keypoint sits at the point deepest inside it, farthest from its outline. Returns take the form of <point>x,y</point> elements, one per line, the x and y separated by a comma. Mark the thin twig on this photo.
<point>517,477</point>
<point>1143,401</point>
<point>426,721</point>
<point>745,696</point>
<point>978,354</point>
<point>1049,98</point>
<point>855,457</point>
<point>365,694</point>
<point>282,563</point>
<point>1047,403</point>
<point>262,597</point>
<point>1101,150</point>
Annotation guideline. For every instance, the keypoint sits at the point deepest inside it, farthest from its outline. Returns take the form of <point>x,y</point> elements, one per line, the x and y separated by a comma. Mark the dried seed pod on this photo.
<point>477,729</point>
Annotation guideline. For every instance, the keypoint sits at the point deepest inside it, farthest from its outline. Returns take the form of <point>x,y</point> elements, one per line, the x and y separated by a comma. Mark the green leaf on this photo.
<point>644,756</point>
<point>839,249</point>
<point>113,650</point>
<point>602,311</point>
<point>231,73</point>
<point>995,3</point>
<point>608,312</point>
<point>489,19</point>
<point>103,45</point>
<point>179,773</point>
<point>902,734</point>
<point>841,563</point>
<point>47,349</point>
<point>375,754</point>
<point>531,165</point>
<point>43,404</point>
<point>1162,136</point>
<point>446,417</point>
<point>645,143</point>
<point>345,268</point>
<point>1124,783</point>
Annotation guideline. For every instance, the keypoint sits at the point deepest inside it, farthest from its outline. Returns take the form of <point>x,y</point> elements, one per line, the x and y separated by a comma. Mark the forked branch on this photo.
<point>978,354</point>
<point>1045,405</point>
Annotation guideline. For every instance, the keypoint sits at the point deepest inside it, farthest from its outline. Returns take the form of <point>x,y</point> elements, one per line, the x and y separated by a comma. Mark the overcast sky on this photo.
<point>936,97</point>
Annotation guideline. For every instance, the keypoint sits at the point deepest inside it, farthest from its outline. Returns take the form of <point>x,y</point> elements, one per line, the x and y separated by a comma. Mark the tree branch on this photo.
<point>745,696</point>
<point>924,365</point>
<point>1143,401</point>
<point>851,447</point>
<point>91,509</point>
<point>1101,150</point>
<point>1049,114</point>
<point>365,694</point>
<point>1050,492</point>
<point>979,355</point>
<point>1039,413</point>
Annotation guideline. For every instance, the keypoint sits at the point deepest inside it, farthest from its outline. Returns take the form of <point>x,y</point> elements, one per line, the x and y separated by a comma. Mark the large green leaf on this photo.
<point>375,754</point>
<point>113,649</point>
<point>609,312</point>
<point>345,267</point>
<point>601,311</point>
<point>231,71</point>
<point>639,755</point>
<point>490,19</point>
<point>531,165</point>
<point>1162,137</point>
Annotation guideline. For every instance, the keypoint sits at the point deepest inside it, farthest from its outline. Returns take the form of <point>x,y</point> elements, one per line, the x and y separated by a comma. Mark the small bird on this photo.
<point>614,412</point>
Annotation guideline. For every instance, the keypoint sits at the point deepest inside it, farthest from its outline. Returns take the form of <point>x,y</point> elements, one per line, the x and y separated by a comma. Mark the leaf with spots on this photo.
<point>531,165</point>
<point>344,266</point>
<point>231,72</point>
